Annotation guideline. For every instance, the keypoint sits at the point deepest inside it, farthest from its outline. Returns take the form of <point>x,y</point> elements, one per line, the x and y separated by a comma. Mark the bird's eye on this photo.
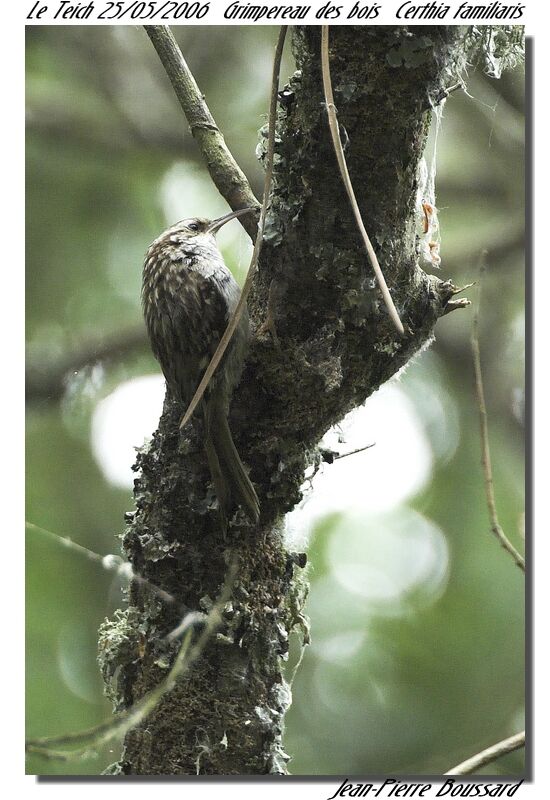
<point>193,226</point>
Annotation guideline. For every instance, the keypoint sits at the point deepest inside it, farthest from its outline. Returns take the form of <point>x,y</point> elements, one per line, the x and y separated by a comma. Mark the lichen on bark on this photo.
<point>336,345</point>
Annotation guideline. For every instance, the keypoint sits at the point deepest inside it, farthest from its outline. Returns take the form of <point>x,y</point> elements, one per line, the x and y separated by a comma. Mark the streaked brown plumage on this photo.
<point>188,296</point>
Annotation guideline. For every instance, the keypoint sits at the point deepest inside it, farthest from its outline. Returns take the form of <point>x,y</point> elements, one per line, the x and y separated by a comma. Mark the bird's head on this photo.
<point>197,228</point>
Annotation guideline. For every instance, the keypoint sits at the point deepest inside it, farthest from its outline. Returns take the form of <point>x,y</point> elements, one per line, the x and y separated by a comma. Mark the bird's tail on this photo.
<point>229,476</point>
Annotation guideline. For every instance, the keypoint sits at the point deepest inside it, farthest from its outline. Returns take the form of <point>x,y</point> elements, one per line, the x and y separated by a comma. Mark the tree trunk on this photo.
<point>336,345</point>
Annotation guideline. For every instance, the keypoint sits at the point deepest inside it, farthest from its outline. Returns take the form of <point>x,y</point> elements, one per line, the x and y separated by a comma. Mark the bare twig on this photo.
<point>234,321</point>
<point>443,94</point>
<point>228,177</point>
<point>484,433</point>
<point>454,305</point>
<point>96,737</point>
<point>330,456</point>
<point>354,452</point>
<point>490,754</point>
<point>109,562</point>
<point>339,150</point>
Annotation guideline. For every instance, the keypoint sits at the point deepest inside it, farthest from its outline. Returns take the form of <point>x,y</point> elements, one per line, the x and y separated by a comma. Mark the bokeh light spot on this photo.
<point>384,558</point>
<point>121,422</point>
<point>380,478</point>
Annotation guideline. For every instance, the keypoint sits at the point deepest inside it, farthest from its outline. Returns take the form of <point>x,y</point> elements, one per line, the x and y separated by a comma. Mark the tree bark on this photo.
<point>337,345</point>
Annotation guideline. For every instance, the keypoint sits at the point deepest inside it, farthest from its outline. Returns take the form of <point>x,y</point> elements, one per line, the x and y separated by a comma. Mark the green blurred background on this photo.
<point>417,615</point>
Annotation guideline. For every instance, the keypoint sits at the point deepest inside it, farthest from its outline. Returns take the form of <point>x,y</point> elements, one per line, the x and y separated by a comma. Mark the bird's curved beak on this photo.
<point>216,224</point>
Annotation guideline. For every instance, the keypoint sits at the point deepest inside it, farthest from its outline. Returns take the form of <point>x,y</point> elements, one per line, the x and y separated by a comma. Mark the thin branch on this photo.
<point>484,434</point>
<point>228,177</point>
<point>96,737</point>
<point>339,150</point>
<point>454,305</point>
<point>109,562</point>
<point>330,456</point>
<point>443,94</point>
<point>354,452</point>
<point>234,321</point>
<point>46,380</point>
<point>490,754</point>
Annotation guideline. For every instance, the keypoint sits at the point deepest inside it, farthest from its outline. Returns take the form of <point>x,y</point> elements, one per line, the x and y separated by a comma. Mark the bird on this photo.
<point>188,296</point>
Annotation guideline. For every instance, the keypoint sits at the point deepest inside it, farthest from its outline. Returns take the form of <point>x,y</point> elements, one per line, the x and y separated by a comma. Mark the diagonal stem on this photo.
<point>114,563</point>
<point>484,434</point>
<point>188,654</point>
<point>228,177</point>
<point>339,150</point>
<point>490,754</point>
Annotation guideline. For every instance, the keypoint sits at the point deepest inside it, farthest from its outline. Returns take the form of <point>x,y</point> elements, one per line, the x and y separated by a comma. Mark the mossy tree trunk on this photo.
<point>336,345</point>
